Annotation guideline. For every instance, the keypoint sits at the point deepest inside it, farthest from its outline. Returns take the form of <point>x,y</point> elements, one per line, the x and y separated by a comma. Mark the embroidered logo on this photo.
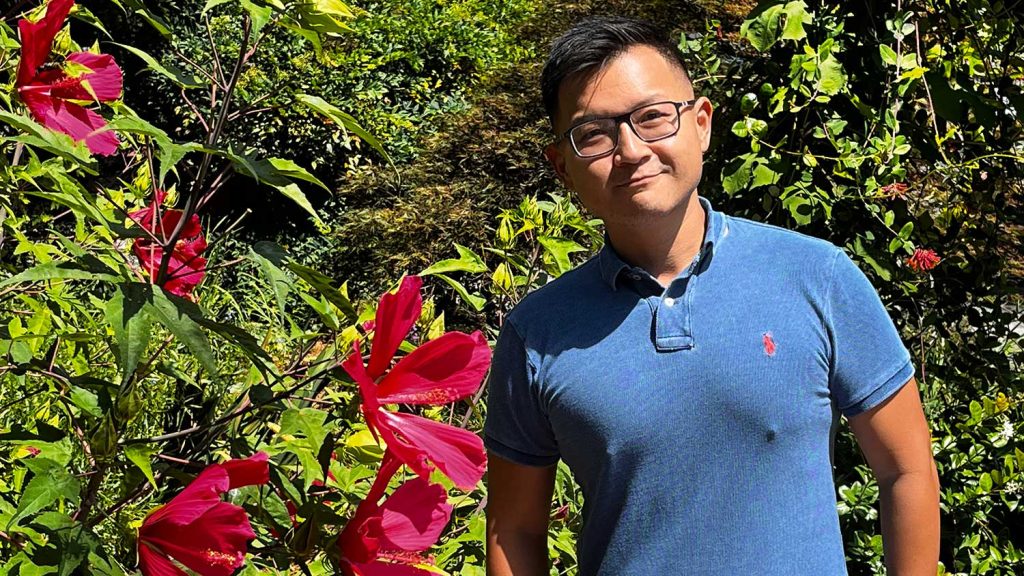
<point>769,343</point>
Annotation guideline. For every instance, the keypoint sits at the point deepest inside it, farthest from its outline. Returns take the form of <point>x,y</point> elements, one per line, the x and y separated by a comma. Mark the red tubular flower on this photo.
<point>197,529</point>
<point>388,539</point>
<point>923,260</point>
<point>443,370</point>
<point>51,92</point>
<point>186,267</point>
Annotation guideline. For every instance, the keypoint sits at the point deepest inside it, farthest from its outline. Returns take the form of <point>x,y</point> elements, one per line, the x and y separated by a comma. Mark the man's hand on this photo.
<point>518,507</point>
<point>895,439</point>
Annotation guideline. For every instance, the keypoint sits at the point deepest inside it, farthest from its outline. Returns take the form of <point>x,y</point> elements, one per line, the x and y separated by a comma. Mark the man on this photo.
<point>691,374</point>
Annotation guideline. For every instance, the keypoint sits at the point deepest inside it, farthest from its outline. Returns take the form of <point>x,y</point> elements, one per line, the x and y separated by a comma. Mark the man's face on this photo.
<point>638,182</point>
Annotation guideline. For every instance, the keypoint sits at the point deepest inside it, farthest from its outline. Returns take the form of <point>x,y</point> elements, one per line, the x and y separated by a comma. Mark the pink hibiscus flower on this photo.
<point>388,539</point>
<point>440,371</point>
<point>197,529</point>
<point>51,91</point>
<point>186,267</point>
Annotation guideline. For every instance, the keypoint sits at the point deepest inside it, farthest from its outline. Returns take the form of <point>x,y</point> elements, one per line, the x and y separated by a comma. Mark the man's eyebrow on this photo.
<point>588,117</point>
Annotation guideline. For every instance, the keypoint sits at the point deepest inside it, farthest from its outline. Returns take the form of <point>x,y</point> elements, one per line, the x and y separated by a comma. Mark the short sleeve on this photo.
<point>869,362</point>
<point>517,428</point>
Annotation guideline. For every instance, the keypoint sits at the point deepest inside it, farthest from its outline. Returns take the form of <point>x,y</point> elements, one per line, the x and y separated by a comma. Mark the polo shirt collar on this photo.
<point>715,229</point>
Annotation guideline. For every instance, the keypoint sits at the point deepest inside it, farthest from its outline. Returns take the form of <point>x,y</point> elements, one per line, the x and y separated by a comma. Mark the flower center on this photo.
<point>216,558</point>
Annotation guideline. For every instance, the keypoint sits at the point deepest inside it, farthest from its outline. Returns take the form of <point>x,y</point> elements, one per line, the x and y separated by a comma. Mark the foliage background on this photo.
<point>822,109</point>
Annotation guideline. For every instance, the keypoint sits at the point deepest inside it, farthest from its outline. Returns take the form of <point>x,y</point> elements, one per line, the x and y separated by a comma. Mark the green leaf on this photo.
<point>737,173</point>
<point>85,268</point>
<point>44,489</point>
<point>279,281</point>
<point>295,194</point>
<point>211,4</point>
<point>888,54</point>
<point>292,170</point>
<point>167,310</point>
<point>37,136</point>
<point>308,422</point>
<point>907,230</point>
<point>322,284</point>
<point>468,261</point>
<point>169,71</point>
<point>344,119</point>
<point>559,249</point>
<point>86,400</point>
<point>155,21</point>
<point>771,21</point>
<point>832,77</point>
<point>140,455</point>
<point>126,314</point>
<point>474,300</point>
<point>764,176</point>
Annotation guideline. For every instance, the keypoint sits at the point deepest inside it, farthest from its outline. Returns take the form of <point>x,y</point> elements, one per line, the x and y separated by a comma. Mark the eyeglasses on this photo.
<point>650,122</point>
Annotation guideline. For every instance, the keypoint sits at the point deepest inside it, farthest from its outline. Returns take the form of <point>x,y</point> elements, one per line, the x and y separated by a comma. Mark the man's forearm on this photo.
<point>910,524</point>
<point>517,554</point>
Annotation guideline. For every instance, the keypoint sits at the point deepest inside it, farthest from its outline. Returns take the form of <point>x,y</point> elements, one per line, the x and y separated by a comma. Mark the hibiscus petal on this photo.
<point>37,38</point>
<point>105,80</point>
<point>247,471</point>
<point>213,545</point>
<point>413,518</point>
<point>396,313</point>
<point>353,365</point>
<point>195,500</point>
<point>456,452</point>
<point>73,120</point>
<point>153,563</point>
<point>443,370</point>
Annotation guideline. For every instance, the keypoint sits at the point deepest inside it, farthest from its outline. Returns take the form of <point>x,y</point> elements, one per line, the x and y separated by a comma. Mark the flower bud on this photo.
<point>103,442</point>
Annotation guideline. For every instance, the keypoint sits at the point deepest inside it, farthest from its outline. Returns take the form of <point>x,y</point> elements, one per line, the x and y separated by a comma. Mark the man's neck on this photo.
<point>664,248</point>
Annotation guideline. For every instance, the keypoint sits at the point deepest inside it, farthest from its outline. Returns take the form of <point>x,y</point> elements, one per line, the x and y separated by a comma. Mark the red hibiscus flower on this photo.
<point>51,90</point>
<point>923,260</point>
<point>388,539</point>
<point>443,370</point>
<point>197,529</point>
<point>186,267</point>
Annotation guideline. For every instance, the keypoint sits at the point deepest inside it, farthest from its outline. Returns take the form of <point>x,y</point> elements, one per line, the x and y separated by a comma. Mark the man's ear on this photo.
<point>703,110</point>
<point>557,160</point>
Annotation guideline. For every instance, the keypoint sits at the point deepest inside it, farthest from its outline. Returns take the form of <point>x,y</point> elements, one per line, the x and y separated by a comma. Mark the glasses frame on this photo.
<point>625,118</point>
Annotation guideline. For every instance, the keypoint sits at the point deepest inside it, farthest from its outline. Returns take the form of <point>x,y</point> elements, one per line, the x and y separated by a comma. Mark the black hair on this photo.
<point>593,42</point>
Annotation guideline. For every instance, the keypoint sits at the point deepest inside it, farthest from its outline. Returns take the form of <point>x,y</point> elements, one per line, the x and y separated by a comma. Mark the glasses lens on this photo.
<point>656,121</point>
<point>594,138</point>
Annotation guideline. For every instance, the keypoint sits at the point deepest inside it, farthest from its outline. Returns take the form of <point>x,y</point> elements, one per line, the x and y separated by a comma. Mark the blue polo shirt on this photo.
<point>698,419</point>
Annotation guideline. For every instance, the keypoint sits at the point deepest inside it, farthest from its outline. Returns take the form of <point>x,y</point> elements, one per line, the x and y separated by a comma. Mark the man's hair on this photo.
<point>593,42</point>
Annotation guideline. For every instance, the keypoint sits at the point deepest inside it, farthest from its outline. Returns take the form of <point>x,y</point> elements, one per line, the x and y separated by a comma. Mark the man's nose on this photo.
<point>630,149</point>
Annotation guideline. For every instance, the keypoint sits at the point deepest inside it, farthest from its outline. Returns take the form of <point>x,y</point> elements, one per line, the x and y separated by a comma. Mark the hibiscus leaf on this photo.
<point>51,480</point>
<point>322,284</point>
<point>167,309</point>
<point>345,120</point>
<point>559,249</point>
<point>138,7</point>
<point>292,170</point>
<point>295,194</point>
<point>169,71</point>
<point>125,312</point>
<point>38,136</point>
<point>85,268</point>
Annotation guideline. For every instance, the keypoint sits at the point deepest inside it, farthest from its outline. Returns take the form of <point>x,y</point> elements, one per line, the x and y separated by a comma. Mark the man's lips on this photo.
<point>638,180</point>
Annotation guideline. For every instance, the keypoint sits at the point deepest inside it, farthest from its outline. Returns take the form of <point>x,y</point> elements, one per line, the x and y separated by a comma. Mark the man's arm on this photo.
<point>895,439</point>
<point>518,507</point>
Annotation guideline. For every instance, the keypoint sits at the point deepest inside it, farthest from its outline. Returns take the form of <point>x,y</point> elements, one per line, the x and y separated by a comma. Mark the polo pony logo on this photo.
<point>769,343</point>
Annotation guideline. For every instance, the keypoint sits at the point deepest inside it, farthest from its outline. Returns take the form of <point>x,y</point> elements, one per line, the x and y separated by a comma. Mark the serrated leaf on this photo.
<point>43,490</point>
<point>126,314</point>
<point>88,267</point>
<point>169,71</point>
<point>165,309</point>
<point>344,119</point>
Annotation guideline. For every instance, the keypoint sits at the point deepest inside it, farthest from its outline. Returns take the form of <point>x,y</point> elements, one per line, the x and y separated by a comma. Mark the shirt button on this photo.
<point>670,302</point>
<point>634,275</point>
